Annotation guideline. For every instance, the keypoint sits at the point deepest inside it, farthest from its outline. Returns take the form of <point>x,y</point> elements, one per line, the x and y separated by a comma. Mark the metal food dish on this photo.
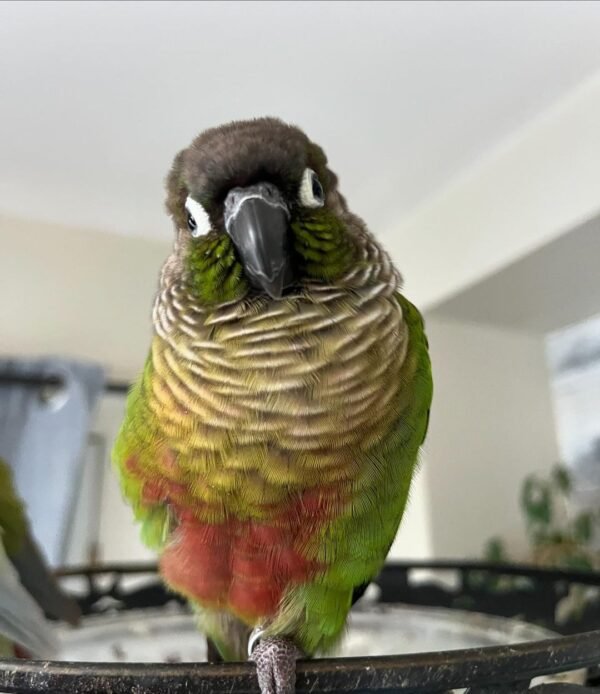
<point>501,628</point>
<point>170,635</point>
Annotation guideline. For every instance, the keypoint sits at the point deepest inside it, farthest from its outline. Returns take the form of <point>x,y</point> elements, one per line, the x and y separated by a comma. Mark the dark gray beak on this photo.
<point>256,219</point>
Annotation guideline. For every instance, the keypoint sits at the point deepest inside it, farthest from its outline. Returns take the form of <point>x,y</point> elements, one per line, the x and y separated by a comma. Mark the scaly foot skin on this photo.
<point>275,659</point>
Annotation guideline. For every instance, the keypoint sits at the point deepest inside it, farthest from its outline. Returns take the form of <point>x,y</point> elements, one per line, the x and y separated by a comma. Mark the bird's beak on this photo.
<point>256,219</point>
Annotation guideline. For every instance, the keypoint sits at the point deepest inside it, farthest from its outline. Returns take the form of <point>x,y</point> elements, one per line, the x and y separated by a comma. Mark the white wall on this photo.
<point>84,294</point>
<point>415,538</point>
<point>491,425</point>
<point>539,183</point>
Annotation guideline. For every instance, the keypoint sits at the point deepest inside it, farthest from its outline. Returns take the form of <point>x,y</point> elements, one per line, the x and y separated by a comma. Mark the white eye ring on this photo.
<point>311,191</point>
<point>198,219</point>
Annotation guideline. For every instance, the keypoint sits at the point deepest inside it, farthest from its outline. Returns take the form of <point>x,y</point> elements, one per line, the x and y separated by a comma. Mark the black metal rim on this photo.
<point>426,672</point>
<point>504,668</point>
<point>584,577</point>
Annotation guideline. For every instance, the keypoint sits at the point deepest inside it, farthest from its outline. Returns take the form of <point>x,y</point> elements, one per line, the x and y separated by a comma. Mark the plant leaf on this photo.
<point>561,477</point>
<point>583,527</point>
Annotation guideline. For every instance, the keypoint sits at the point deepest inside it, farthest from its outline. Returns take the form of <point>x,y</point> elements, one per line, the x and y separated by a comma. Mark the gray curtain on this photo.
<point>43,433</point>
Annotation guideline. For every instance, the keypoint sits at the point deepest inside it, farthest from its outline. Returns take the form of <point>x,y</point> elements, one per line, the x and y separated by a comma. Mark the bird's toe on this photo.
<point>275,659</point>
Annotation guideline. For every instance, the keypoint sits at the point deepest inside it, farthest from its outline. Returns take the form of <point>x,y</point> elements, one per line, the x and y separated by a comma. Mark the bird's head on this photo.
<point>257,209</point>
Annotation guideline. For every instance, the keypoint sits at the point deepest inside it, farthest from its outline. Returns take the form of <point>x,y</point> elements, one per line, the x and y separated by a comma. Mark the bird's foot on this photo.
<point>275,658</point>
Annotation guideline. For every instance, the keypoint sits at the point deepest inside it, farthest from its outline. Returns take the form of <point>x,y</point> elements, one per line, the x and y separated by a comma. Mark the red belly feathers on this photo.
<point>242,566</point>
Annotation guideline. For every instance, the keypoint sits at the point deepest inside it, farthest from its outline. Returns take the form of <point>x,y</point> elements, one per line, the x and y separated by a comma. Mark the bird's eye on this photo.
<point>311,191</point>
<point>198,221</point>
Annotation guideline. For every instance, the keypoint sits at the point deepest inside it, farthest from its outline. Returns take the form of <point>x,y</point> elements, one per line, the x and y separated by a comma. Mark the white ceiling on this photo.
<point>96,98</point>
<point>553,287</point>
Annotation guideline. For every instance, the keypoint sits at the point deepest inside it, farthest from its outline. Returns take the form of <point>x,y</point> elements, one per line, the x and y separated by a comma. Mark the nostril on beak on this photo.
<point>269,191</point>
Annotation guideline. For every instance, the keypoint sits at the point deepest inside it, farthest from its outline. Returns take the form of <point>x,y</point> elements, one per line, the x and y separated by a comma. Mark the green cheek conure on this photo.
<point>27,589</point>
<point>269,445</point>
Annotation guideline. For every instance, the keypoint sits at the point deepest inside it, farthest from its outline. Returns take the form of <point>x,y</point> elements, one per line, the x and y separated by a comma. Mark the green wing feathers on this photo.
<point>355,545</point>
<point>136,445</point>
<point>13,523</point>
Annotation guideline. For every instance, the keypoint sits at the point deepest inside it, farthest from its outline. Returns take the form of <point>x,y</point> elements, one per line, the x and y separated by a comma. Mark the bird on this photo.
<point>28,591</point>
<point>268,447</point>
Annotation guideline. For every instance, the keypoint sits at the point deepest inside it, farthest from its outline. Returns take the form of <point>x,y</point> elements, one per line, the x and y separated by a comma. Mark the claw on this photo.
<point>275,659</point>
<point>255,636</point>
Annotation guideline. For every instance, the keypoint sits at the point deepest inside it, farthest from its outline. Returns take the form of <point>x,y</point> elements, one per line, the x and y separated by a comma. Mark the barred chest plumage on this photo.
<point>289,390</point>
<point>283,367</point>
